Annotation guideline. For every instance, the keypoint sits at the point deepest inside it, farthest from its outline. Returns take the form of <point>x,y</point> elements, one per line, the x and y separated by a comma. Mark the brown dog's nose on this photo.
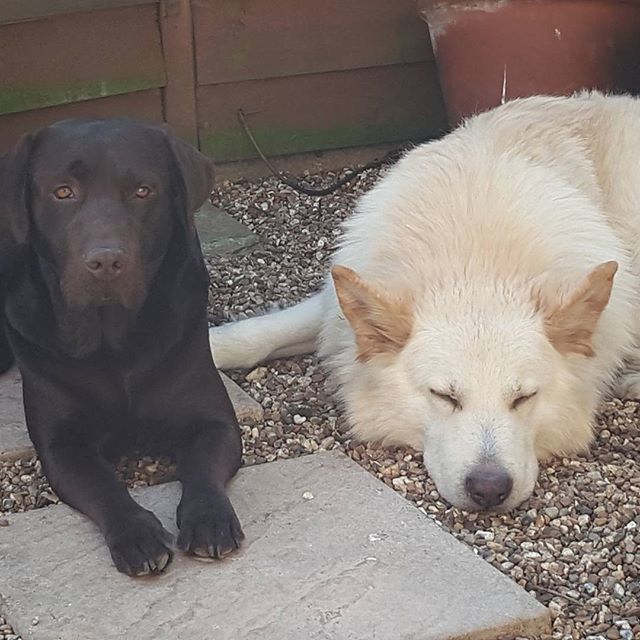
<point>489,485</point>
<point>105,263</point>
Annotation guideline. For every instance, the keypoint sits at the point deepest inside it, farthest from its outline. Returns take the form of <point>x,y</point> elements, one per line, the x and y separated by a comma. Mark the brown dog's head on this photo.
<point>99,201</point>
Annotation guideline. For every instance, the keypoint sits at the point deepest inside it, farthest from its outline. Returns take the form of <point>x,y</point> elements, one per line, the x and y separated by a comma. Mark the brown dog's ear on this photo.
<point>196,172</point>
<point>381,325</point>
<point>570,325</point>
<point>13,188</point>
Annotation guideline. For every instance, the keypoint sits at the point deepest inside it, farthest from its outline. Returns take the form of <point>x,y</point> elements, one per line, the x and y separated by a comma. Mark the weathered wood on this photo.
<point>80,56</point>
<point>180,91</point>
<point>143,105</point>
<point>19,10</point>
<point>313,75</point>
<point>321,111</point>
<point>252,39</point>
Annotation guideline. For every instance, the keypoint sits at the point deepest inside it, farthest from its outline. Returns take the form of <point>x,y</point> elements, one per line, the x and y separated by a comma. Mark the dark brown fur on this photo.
<point>105,312</point>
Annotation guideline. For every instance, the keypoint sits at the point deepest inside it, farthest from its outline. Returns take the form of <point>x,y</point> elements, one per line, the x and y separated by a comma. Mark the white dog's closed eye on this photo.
<point>452,399</point>
<point>447,397</point>
<point>521,399</point>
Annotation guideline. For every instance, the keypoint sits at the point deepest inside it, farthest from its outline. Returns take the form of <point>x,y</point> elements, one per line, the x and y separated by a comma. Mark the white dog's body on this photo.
<point>479,326</point>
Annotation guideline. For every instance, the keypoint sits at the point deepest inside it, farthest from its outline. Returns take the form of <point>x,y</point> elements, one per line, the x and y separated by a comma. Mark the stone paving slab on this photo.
<point>14,439</point>
<point>331,554</point>
<point>219,233</point>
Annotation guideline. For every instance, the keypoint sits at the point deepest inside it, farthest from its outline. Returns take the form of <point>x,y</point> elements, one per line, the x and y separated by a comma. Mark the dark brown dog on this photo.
<point>105,311</point>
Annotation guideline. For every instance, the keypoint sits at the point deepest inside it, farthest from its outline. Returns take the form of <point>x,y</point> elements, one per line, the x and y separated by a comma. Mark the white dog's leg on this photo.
<point>280,334</point>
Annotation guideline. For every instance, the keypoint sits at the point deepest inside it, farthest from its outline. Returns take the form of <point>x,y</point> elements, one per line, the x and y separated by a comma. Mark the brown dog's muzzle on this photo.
<point>104,276</point>
<point>106,263</point>
<point>103,264</point>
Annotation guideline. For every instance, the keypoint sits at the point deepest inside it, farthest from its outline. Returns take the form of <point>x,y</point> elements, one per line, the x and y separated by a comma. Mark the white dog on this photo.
<point>472,310</point>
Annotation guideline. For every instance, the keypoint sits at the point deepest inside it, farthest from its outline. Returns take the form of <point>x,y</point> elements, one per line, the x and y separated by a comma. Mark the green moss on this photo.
<point>16,99</point>
<point>232,144</point>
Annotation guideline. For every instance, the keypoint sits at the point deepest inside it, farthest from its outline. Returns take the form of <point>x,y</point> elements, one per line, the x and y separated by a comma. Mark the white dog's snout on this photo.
<point>489,485</point>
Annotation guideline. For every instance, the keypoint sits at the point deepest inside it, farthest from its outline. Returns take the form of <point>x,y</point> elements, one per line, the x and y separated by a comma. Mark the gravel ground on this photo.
<point>574,544</point>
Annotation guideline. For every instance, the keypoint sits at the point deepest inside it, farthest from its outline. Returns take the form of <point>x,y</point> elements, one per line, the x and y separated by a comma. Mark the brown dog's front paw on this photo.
<point>209,527</point>
<point>139,545</point>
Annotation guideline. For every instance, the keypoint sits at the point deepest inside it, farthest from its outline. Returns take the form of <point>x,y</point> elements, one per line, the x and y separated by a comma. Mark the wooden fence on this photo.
<point>309,74</point>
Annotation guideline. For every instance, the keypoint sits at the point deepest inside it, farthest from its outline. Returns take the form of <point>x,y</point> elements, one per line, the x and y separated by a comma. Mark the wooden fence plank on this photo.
<point>321,111</point>
<point>19,10</point>
<point>142,105</point>
<point>253,39</point>
<point>78,57</point>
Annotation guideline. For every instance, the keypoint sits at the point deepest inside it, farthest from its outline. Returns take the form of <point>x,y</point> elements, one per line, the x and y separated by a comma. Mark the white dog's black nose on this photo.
<point>488,485</point>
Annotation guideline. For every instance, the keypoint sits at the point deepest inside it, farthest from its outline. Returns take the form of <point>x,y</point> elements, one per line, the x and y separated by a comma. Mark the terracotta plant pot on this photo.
<point>489,51</point>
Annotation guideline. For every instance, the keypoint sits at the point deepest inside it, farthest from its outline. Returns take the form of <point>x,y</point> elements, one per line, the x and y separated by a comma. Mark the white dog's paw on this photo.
<point>221,347</point>
<point>628,386</point>
<point>237,345</point>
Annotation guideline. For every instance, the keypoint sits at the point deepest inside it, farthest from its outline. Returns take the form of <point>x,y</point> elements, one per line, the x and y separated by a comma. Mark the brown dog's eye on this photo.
<point>142,191</point>
<point>519,401</point>
<point>64,192</point>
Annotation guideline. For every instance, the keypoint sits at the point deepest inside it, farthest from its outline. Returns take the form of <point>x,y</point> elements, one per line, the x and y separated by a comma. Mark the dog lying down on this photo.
<point>105,312</point>
<point>484,297</point>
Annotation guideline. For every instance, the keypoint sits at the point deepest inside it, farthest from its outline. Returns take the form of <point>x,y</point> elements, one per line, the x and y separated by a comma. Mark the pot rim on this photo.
<point>432,6</point>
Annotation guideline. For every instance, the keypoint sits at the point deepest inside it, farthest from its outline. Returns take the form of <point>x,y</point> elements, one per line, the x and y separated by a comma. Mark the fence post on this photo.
<point>180,108</point>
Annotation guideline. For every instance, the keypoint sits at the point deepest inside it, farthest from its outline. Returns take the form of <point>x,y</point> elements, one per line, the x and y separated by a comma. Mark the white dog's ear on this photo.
<point>571,324</point>
<point>381,324</point>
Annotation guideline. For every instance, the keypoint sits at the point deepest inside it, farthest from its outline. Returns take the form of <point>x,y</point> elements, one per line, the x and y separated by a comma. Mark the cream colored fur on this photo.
<point>481,235</point>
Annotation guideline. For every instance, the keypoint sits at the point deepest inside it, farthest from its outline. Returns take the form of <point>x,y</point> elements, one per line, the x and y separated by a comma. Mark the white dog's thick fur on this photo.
<point>472,312</point>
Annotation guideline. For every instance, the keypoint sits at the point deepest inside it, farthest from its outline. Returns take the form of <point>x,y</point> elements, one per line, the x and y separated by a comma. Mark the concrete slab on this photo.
<point>331,554</point>
<point>248,410</point>
<point>219,233</point>
<point>14,439</point>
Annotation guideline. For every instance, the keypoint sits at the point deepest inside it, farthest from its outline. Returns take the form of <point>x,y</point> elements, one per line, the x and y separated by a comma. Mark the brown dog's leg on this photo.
<point>83,479</point>
<point>6,355</point>
<point>208,523</point>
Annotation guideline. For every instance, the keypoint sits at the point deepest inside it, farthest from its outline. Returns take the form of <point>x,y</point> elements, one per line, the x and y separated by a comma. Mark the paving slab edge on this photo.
<point>532,626</point>
<point>250,413</point>
<point>21,453</point>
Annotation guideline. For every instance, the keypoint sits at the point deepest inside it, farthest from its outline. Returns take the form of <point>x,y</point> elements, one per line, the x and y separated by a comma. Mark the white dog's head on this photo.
<point>484,370</point>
